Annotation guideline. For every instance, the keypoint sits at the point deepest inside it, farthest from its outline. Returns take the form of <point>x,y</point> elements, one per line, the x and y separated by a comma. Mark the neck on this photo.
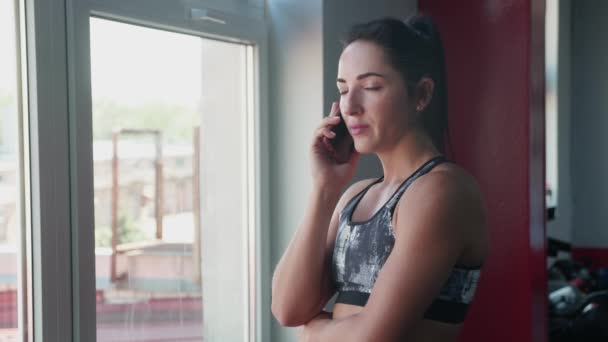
<point>405,157</point>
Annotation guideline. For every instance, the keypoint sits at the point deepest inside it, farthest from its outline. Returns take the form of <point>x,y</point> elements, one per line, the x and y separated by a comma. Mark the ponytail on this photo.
<point>435,119</point>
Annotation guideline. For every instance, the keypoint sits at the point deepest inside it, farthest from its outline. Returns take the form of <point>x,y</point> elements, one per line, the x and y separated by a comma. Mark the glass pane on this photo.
<point>170,118</point>
<point>551,116</point>
<point>10,220</point>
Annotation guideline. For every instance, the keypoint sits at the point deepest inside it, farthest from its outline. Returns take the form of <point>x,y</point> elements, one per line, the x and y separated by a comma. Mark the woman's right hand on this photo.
<point>327,173</point>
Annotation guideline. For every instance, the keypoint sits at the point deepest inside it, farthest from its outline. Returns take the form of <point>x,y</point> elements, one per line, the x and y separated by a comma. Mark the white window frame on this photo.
<point>60,119</point>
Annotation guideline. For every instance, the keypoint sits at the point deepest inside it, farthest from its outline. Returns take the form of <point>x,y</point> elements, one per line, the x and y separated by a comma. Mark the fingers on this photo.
<point>326,132</point>
<point>325,128</point>
<point>335,109</point>
<point>333,117</point>
<point>330,120</point>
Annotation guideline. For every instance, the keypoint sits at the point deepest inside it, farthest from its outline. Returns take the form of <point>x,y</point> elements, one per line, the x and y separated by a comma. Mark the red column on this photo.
<point>495,69</point>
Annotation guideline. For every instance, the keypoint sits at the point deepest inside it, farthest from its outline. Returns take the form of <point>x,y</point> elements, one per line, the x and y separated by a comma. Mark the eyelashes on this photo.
<point>366,88</point>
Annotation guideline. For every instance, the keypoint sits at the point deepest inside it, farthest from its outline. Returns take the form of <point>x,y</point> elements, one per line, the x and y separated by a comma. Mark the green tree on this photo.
<point>127,232</point>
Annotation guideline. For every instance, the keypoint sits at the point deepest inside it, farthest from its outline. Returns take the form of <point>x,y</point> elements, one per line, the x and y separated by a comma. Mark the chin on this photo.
<point>364,148</point>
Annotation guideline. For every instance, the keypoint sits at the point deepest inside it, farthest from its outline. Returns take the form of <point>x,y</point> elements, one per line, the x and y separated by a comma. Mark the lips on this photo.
<point>358,129</point>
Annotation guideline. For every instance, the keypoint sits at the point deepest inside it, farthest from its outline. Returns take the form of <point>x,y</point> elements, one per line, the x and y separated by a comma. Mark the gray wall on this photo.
<point>296,105</point>
<point>304,50</point>
<point>589,122</point>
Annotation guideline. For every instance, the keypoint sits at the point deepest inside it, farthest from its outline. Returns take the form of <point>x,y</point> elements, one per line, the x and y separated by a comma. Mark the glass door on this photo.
<point>174,169</point>
<point>13,277</point>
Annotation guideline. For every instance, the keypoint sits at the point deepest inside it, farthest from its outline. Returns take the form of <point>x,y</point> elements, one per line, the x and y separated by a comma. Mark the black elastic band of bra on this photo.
<point>440,310</point>
<point>446,311</point>
<point>352,298</point>
<point>425,167</point>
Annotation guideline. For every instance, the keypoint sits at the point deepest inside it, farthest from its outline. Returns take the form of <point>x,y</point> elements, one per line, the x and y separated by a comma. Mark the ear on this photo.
<point>424,93</point>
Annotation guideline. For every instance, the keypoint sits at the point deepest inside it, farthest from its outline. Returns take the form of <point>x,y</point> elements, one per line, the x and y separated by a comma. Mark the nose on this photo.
<point>350,104</point>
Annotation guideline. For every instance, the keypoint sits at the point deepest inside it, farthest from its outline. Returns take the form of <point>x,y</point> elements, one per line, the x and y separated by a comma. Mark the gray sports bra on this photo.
<point>361,248</point>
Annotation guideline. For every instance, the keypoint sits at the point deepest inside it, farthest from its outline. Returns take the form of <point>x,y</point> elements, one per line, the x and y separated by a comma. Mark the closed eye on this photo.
<point>344,92</point>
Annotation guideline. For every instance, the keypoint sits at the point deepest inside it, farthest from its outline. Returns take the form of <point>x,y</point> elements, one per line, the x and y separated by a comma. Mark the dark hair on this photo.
<point>414,48</point>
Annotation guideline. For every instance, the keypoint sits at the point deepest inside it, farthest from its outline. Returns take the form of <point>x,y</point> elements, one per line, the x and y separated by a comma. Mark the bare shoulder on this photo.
<point>449,199</point>
<point>449,181</point>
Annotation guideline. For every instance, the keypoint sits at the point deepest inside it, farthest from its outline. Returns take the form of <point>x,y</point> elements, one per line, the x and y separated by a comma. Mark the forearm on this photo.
<point>297,282</point>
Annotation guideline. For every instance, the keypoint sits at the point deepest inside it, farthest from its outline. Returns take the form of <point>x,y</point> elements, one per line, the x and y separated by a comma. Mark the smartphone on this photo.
<point>342,144</point>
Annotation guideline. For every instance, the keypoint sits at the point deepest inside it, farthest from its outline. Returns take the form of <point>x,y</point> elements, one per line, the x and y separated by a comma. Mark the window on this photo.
<point>134,240</point>
<point>173,184</point>
<point>551,105</point>
<point>12,196</point>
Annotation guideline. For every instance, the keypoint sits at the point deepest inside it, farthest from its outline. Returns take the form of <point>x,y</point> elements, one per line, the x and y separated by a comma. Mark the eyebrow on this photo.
<point>362,76</point>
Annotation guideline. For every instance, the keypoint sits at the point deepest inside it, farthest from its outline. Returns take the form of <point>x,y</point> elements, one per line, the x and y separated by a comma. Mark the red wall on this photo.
<point>495,67</point>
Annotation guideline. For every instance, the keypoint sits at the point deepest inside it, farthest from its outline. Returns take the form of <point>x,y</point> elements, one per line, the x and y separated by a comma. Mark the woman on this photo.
<point>405,264</point>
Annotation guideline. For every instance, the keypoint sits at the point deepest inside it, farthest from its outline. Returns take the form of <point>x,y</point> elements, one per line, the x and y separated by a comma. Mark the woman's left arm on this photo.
<point>431,236</point>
